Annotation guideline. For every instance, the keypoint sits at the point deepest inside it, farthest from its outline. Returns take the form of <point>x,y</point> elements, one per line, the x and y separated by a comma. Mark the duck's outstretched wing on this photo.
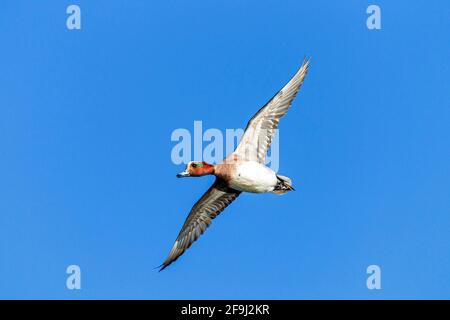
<point>261,128</point>
<point>213,202</point>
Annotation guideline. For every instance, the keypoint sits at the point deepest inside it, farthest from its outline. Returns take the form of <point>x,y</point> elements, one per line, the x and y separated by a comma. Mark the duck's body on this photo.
<point>248,176</point>
<point>242,171</point>
<point>252,176</point>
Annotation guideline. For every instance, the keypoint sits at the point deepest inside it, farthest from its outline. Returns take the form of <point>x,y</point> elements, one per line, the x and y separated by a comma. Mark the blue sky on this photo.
<point>86,176</point>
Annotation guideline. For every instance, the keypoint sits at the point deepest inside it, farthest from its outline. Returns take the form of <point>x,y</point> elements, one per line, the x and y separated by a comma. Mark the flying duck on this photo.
<point>244,170</point>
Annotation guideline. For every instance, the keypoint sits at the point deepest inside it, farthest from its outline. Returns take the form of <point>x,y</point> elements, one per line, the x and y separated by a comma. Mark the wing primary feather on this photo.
<point>262,126</point>
<point>210,205</point>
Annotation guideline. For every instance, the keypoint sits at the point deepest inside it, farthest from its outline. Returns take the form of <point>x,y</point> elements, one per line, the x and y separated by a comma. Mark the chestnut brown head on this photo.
<point>196,169</point>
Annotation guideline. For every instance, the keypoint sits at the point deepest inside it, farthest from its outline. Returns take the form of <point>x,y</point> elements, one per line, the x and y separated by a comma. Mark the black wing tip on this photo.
<point>161,267</point>
<point>306,62</point>
<point>166,263</point>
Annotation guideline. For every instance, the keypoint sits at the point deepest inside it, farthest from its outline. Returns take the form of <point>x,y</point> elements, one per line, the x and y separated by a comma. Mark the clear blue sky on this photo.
<point>86,176</point>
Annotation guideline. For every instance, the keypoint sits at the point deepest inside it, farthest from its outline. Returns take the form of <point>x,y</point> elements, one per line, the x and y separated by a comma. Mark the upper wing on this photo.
<point>217,198</point>
<point>261,128</point>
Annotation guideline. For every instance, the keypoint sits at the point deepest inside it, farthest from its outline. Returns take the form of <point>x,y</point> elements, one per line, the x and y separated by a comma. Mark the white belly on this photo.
<point>252,176</point>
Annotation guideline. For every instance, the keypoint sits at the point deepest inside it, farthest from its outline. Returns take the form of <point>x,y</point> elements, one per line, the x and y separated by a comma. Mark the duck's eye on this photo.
<point>194,165</point>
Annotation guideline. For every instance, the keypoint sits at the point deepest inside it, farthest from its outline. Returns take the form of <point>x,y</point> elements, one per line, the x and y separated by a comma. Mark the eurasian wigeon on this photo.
<point>244,170</point>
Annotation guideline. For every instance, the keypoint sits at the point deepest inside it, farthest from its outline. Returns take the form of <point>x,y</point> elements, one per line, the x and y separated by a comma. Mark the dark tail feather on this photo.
<point>284,185</point>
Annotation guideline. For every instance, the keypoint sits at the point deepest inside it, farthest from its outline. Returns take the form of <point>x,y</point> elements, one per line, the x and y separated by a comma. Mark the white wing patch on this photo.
<point>261,128</point>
